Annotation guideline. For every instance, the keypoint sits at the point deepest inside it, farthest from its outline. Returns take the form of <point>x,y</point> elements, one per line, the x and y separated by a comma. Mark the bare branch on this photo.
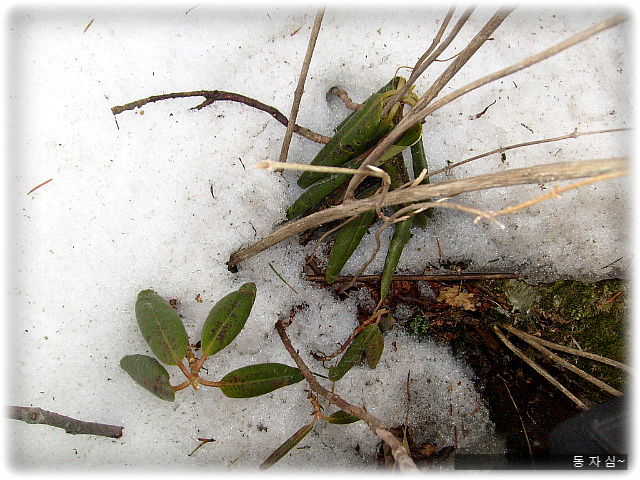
<point>70,425</point>
<point>211,96</point>
<point>453,277</point>
<point>539,369</point>
<point>400,451</point>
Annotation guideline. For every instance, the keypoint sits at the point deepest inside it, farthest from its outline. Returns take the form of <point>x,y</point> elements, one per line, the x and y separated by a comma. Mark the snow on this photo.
<point>161,196</point>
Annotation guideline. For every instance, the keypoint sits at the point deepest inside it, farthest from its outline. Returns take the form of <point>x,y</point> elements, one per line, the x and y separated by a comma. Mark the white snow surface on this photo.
<point>159,197</point>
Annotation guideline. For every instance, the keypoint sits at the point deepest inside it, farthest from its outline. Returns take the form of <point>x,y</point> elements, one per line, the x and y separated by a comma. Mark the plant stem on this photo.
<point>212,96</point>
<point>400,452</point>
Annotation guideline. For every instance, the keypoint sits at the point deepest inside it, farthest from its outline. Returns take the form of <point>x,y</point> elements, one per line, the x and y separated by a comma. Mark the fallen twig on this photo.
<point>212,96</point>
<point>573,351</point>
<point>70,425</point>
<point>533,341</point>
<point>435,277</point>
<point>38,186</point>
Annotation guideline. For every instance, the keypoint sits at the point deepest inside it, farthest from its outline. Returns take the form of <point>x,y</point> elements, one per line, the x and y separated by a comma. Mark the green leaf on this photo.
<point>227,318</point>
<point>349,236</point>
<point>353,353</point>
<point>374,349</point>
<point>161,327</point>
<point>286,447</point>
<point>254,380</point>
<point>149,373</point>
<point>342,418</point>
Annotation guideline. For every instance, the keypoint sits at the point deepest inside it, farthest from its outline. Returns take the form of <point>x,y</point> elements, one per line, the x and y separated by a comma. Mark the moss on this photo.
<point>590,316</point>
<point>420,325</point>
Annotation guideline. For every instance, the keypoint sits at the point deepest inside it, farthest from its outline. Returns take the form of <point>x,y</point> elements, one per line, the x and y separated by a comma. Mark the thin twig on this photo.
<point>344,96</point>
<point>556,191</point>
<point>538,174</point>
<point>524,429</point>
<point>574,134</point>
<point>70,425</point>
<point>399,451</point>
<point>444,277</point>
<point>38,186</point>
<point>297,96</point>
<point>212,96</point>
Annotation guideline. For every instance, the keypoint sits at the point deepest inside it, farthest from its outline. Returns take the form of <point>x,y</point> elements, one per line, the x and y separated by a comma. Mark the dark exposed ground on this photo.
<point>524,406</point>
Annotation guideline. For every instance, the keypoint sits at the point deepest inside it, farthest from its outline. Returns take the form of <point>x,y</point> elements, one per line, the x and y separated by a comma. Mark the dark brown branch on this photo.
<point>212,96</point>
<point>399,450</point>
<point>440,277</point>
<point>70,425</point>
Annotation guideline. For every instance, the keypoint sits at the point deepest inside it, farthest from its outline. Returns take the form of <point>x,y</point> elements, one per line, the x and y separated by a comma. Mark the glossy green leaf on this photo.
<point>150,374</point>
<point>361,131</point>
<point>342,418</point>
<point>386,322</point>
<point>374,350</point>
<point>349,236</point>
<point>227,318</point>
<point>391,85</point>
<point>254,380</point>
<point>161,327</point>
<point>353,353</point>
<point>319,190</point>
<point>286,447</point>
<point>401,236</point>
<point>419,161</point>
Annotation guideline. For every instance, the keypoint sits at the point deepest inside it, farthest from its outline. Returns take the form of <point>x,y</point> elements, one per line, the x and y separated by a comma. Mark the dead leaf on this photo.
<point>455,298</point>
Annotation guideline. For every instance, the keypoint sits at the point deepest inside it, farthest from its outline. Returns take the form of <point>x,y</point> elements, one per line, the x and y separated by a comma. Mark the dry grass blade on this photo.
<point>573,351</point>
<point>538,174</point>
<point>422,109</point>
<point>562,362</point>
<point>297,96</point>
<point>414,114</point>
<point>430,55</point>
<point>539,369</point>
